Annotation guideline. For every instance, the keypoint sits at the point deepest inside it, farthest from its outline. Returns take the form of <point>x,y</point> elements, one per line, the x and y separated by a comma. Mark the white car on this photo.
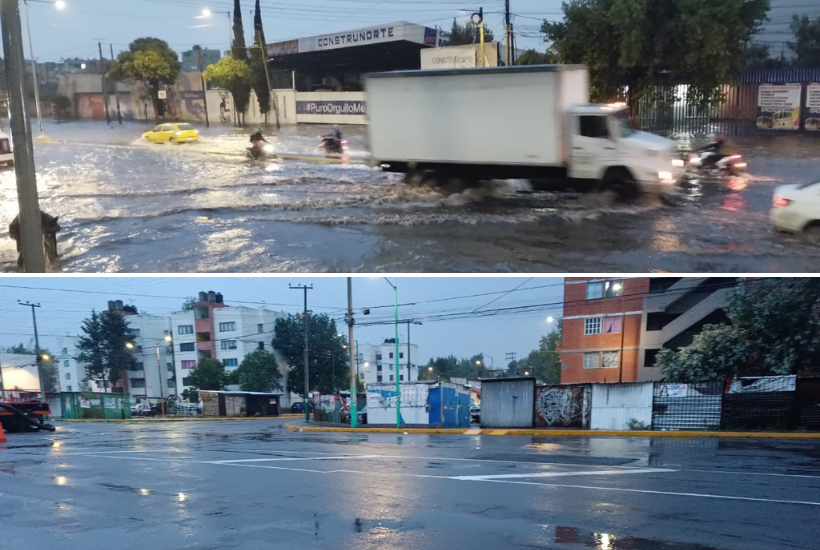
<point>796,209</point>
<point>6,150</point>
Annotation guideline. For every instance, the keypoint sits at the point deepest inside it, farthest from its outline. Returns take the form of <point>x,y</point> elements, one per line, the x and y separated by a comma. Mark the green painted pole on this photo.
<point>354,415</point>
<point>398,387</point>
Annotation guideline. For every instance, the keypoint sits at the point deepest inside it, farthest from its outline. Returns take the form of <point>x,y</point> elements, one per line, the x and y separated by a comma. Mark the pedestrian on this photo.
<point>50,229</point>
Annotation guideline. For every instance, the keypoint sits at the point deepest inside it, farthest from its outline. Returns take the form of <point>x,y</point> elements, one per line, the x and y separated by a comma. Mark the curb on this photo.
<point>562,433</point>
<point>172,419</point>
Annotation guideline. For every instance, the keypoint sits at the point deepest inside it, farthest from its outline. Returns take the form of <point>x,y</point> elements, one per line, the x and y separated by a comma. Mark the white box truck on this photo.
<point>6,150</point>
<point>528,122</point>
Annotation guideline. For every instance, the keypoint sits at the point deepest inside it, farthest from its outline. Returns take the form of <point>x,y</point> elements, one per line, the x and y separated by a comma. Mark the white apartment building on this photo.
<point>212,330</point>
<point>377,362</point>
<point>70,371</point>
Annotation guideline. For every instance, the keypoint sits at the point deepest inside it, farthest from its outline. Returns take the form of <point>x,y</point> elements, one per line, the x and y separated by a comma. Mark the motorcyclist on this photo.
<point>258,138</point>
<point>334,134</point>
<point>715,148</point>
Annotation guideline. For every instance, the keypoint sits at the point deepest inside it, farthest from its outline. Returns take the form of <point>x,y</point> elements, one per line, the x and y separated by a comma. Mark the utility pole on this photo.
<point>408,323</point>
<point>161,391</point>
<point>354,413</point>
<point>267,79</point>
<point>36,339</point>
<point>508,27</point>
<point>305,318</point>
<point>204,91</point>
<point>105,92</point>
<point>31,227</point>
<point>478,20</point>
<point>116,91</point>
<point>34,71</point>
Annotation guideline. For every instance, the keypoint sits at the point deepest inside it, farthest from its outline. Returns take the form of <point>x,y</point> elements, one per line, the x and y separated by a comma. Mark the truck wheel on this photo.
<point>812,233</point>
<point>622,183</point>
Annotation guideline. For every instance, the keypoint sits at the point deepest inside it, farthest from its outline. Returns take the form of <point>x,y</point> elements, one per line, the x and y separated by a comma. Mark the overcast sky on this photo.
<point>63,308</point>
<point>75,31</point>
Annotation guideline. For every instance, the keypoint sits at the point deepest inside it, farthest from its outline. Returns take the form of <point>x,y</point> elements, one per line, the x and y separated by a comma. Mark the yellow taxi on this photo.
<point>176,132</point>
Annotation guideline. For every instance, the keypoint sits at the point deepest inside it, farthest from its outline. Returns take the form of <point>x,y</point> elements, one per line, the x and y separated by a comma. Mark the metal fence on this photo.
<point>687,406</point>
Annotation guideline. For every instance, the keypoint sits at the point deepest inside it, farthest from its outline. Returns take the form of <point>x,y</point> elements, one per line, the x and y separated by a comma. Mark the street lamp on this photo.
<point>550,319</point>
<point>129,345</point>
<point>206,14</point>
<point>398,388</point>
<point>60,5</point>
<point>46,357</point>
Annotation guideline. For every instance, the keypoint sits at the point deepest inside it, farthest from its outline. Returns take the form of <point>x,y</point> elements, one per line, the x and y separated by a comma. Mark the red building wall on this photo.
<point>626,342</point>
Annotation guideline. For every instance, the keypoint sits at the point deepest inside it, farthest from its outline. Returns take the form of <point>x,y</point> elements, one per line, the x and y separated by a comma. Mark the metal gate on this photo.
<point>687,406</point>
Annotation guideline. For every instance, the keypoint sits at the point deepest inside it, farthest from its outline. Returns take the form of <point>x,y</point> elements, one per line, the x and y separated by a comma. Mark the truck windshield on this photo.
<point>623,122</point>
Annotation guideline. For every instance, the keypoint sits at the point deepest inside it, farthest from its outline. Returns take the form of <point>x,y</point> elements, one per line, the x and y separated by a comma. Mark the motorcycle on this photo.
<point>333,146</point>
<point>709,161</point>
<point>260,151</point>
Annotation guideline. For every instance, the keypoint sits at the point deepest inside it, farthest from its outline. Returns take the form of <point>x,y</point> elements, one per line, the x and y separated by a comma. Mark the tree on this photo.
<point>461,35</point>
<point>328,358</point>
<point>532,57</point>
<point>47,368</point>
<point>258,59</point>
<point>152,61</point>
<point>258,372</point>
<point>209,374</point>
<point>188,304</point>
<point>103,347</point>
<point>806,45</point>
<point>773,329</point>
<point>61,106</point>
<point>233,75</point>
<point>632,46</point>
<point>241,89</point>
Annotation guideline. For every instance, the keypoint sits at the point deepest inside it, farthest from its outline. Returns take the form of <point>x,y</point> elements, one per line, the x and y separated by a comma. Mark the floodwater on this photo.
<point>128,206</point>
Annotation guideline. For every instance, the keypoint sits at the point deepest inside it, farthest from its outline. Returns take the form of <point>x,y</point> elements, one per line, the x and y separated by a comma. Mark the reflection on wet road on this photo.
<point>140,208</point>
<point>258,485</point>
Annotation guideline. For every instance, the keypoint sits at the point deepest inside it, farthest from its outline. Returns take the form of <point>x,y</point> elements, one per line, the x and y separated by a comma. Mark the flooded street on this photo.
<point>127,206</point>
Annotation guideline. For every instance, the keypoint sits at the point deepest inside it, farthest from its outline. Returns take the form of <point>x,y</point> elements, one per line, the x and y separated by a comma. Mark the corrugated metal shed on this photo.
<point>614,405</point>
<point>507,402</point>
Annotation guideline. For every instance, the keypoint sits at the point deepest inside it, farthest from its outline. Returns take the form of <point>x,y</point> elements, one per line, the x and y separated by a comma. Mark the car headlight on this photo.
<point>663,176</point>
<point>179,133</point>
<point>677,163</point>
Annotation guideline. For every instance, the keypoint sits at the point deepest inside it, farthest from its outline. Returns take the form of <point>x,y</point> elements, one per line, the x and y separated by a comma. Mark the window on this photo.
<point>592,325</point>
<point>378,378</point>
<point>185,329</point>
<point>227,327</point>
<point>185,381</point>
<point>261,346</point>
<point>391,377</point>
<point>613,288</point>
<point>228,344</point>
<point>260,328</point>
<point>138,349</point>
<point>391,355</point>
<point>379,367</point>
<point>593,126</point>
<point>378,357</point>
<point>612,325</point>
<point>170,367</point>
<point>68,388</point>
<point>401,355</point>
<point>609,359</point>
<point>171,383</point>
<point>137,382</point>
<point>66,364</point>
<point>595,291</point>
<point>135,332</point>
<point>188,365</point>
<point>140,366</point>
<point>230,362</point>
<point>187,347</point>
<point>68,376</point>
<point>65,351</point>
<point>401,378</point>
<point>185,127</point>
<point>592,360</point>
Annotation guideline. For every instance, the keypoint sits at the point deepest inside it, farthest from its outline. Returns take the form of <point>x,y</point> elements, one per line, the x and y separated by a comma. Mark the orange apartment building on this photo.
<point>613,328</point>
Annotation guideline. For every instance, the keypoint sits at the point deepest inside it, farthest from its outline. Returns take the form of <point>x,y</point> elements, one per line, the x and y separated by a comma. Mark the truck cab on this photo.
<point>604,147</point>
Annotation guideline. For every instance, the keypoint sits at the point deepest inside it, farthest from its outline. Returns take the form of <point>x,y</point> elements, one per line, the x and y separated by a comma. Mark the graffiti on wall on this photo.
<point>565,407</point>
<point>190,96</point>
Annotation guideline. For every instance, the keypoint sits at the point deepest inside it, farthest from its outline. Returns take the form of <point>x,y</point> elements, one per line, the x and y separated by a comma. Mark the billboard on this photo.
<point>813,107</point>
<point>283,48</point>
<point>380,34</point>
<point>778,106</point>
<point>331,107</point>
<point>452,57</point>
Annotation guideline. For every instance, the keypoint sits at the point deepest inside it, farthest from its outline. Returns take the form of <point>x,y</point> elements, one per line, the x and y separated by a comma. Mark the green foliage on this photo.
<point>103,347</point>
<point>188,304</point>
<point>149,60</point>
<point>209,374</point>
<point>191,395</point>
<point>806,45</point>
<point>61,105</point>
<point>637,425</point>
<point>467,33</point>
<point>258,372</point>
<point>543,363</point>
<point>241,87</point>
<point>448,367</point>
<point>234,75</point>
<point>634,45</point>
<point>258,54</point>
<point>774,330</point>
<point>532,57</point>
<point>329,366</point>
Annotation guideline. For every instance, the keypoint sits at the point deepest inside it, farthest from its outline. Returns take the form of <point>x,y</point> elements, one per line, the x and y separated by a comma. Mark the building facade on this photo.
<point>377,363</point>
<point>190,59</point>
<point>776,31</point>
<point>614,328</point>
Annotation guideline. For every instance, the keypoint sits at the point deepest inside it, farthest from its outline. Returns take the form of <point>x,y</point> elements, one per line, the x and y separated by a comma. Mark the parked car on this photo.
<point>475,413</point>
<point>175,132</point>
<point>300,407</point>
<point>796,209</point>
<point>344,416</point>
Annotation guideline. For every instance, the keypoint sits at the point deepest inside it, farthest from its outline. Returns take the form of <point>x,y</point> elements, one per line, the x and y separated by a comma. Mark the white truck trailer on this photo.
<point>528,122</point>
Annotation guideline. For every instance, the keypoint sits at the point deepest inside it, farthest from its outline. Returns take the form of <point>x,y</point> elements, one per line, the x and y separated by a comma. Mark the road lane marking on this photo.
<point>651,492</point>
<point>292,458</point>
<point>562,474</point>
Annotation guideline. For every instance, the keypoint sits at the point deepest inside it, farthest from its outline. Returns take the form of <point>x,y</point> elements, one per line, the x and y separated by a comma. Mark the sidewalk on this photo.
<point>177,418</point>
<point>545,432</point>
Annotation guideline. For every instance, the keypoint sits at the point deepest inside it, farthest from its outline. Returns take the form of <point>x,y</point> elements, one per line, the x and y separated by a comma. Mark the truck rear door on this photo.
<point>593,148</point>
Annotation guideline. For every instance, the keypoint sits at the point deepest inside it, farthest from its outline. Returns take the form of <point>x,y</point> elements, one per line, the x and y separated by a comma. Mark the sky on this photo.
<point>75,31</point>
<point>482,324</point>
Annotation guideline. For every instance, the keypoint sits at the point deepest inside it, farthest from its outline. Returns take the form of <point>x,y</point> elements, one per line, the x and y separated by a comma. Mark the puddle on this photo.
<point>606,541</point>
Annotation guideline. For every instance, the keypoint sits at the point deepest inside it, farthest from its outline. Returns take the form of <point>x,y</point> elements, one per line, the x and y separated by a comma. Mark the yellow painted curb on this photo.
<point>180,419</point>
<point>562,433</point>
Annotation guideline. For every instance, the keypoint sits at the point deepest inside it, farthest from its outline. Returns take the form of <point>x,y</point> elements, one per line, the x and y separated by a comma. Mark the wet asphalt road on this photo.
<point>129,206</point>
<point>255,484</point>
